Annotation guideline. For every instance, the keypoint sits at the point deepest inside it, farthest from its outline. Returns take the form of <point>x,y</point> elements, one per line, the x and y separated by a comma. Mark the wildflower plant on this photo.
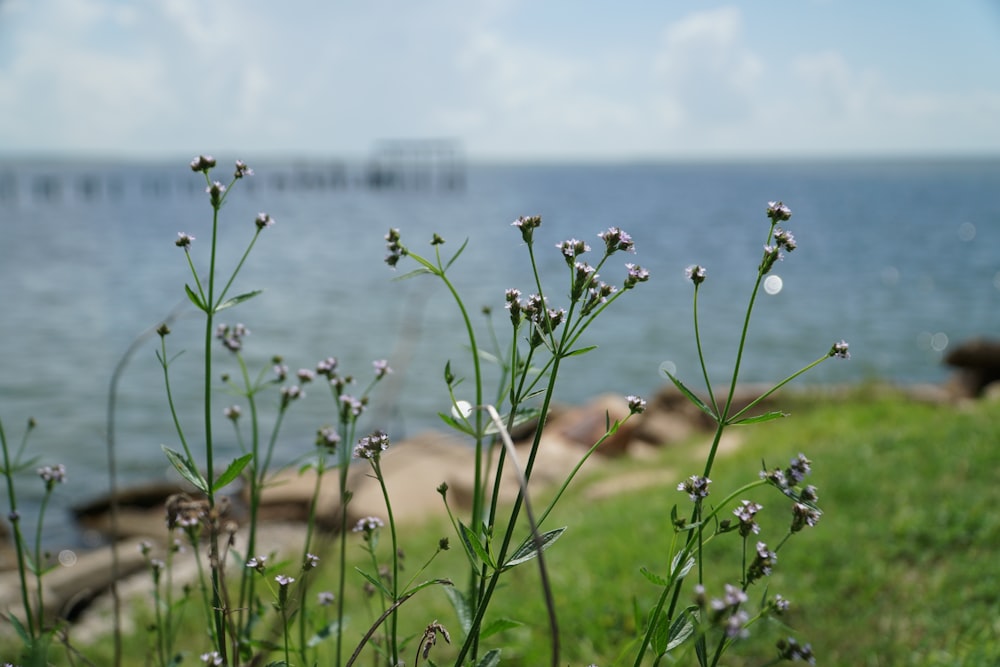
<point>542,336</point>
<point>708,626</point>
<point>34,630</point>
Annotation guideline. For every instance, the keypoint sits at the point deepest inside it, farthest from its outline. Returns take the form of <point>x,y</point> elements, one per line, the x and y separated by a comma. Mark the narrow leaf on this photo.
<point>678,571</point>
<point>413,274</point>
<point>229,303</point>
<point>376,582</point>
<point>691,396</point>
<point>457,425</point>
<point>427,584</point>
<point>21,631</point>
<point>499,625</point>
<point>661,634</point>
<point>582,350</point>
<point>680,630</point>
<point>654,578</point>
<point>186,469</point>
<point>491,659</point>
<point>455,256</point>
<point>766,417</point>
<point>461,607</point>
<point>232,472</point>
<point>527,550</point>
<point>473,543</point>
<point>195,299</point>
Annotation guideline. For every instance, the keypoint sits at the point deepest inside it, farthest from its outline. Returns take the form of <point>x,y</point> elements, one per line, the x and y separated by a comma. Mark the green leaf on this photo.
<point>678,571</point>
<point>195,299</point>
<point>21,631</point>
<point>461,607</point>
<point>457,425</point>
<point>527,550</point>
<point>680,630</point>
<point>582,350</point>
<point>661,634</point>
<point>376,582</point>
<point>766,417</point>
<point>455,256</point>
<point>691,397</point>
<point>491,659</point>
<point>475,546</point>
<point>232,472</point>
<point>229,303</point>
<point>186,469</point>
<point>412,274</point>
<point>654,578</point>
<point>499,625</point>
<point>427,584</point>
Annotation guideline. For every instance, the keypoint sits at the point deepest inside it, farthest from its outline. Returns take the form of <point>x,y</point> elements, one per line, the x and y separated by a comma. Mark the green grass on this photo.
<point>903,568</point>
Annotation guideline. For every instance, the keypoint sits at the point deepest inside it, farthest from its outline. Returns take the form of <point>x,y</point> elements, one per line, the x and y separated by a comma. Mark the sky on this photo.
<point>509,79</point>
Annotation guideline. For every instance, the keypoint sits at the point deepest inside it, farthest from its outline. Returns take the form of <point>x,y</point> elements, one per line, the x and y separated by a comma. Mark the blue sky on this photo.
<point>512,79</point>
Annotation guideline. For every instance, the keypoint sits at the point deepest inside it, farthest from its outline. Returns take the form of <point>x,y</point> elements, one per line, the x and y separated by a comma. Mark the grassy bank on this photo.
<point>901,570</point>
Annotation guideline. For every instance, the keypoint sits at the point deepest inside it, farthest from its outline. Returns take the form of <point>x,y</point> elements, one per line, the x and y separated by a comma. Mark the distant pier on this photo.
<point>416,165</point>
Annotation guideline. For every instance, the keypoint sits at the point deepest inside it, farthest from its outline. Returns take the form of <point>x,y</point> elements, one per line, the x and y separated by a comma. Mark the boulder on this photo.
<point>583,426</point>
<point>978,364</point>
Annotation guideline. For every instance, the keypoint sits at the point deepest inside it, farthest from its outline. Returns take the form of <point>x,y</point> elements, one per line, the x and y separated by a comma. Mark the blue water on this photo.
<point>900,258</point>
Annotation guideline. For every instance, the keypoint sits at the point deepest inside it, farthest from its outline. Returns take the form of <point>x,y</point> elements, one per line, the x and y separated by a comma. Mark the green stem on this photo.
<point>377,468</point>
<point>18,537</point>
<point>38,554</point>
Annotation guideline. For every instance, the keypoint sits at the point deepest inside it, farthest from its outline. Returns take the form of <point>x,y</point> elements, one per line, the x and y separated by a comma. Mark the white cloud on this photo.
<point>705,72</point>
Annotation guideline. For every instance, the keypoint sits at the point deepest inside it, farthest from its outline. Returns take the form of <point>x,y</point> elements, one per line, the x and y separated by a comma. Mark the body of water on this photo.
<point>900,258</point>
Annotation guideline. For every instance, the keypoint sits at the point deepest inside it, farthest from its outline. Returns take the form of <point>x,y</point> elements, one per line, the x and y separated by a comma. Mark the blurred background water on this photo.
<point>900,258</point>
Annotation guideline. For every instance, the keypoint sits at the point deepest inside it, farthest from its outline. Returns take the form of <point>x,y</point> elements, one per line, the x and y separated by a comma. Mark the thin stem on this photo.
<point>18,537</point>
<point>701,354</point>
<point>377,468</point>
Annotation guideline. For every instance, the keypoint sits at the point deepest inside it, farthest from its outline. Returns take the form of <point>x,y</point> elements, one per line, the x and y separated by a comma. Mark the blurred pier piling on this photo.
<point>416,165</point>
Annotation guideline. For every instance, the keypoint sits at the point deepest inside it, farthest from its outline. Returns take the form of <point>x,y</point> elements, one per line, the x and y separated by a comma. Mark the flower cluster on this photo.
<point>763,563</point>
<point>636,405</point>
<point>327,437</point>
<point>395,248</point>
<point>695,486</point>
<point>695,273</point>
<point>840,350</point>
<point>527,225</point>
<point>242,170</point>
<point>636,275</point>
<point>203,163</point>
<point>368,524</point>
<point>52,475</point>
<point>571,249</point>
<point>232,337</point>
<point>789,649</point>
<point>725,611</point>
<point>615,239</point>
<point>372,446</point>
<point>746,513</point>
<point>263,220</point>
<point>183,241</point>
<point>778,212</point>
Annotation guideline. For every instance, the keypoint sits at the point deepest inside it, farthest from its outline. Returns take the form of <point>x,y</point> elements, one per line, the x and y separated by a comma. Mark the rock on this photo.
<point>74,582</point>
<point>413,469</point>
<point>141,511</point>
<point>585,425</point>
<point>978,364</point>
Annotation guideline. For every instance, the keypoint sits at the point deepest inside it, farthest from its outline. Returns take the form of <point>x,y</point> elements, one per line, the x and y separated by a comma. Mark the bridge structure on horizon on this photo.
<point>413,165</point>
